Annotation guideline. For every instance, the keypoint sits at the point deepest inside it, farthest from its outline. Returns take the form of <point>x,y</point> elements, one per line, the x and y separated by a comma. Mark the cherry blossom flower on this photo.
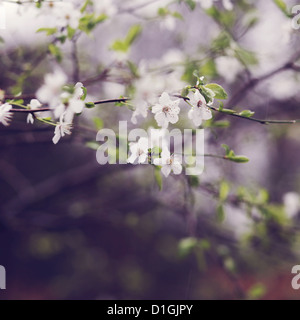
<point>61,129</point>
<point>34,104</point>
<point>71,104</point>
<point>107,7</point>
<point>199,111</point>
<point>68,15</point>
<point>228,68</point>
<point>139,151</point>
<point>5,114</point>
<point>140,110</point>
<point>50,92</point>
<point>168,163</point>
<point>166,111</point>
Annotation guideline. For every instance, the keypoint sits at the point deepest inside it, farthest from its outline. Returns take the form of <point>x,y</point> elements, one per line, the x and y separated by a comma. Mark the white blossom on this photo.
<point>199,111</point>
<point>107,7</point>
<point>168,163</point>
<point>139,151</point>
<point>291,201</point>
<point>166,111</point>
<point>50,92</point>
<point>68,15</point>
<point>61,129</point>
<point>141,109</point>
<point>228,68</point>
<point>5,114</point>
<point>34,104</point>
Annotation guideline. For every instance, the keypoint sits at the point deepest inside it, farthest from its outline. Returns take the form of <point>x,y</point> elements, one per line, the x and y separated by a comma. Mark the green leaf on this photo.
<point>158,178</point>
<point>246,57</point>
<point>90,105</point>
<point>186,246</point>
<point>71,32</point>
<point>224,191</point>
<point>283,7</point>
<point>133,33</point>
<point>219,91</point>
<point>220,213</point>
<point>49,31</point>
<point>227,149</point>
<point>56,52</point>
<point>191,4</point>
<point>247,113</point>
<point>98,123</point>
<point>209,69</point>
<point>238,159</point>
<point>257,291</point>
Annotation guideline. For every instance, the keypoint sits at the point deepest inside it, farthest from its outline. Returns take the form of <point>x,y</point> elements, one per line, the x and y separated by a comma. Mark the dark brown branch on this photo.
<point>48,109</point>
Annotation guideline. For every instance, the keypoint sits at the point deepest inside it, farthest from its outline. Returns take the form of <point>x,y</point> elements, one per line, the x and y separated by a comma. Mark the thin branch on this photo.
<point>48,109</point>
<point>243,117</point>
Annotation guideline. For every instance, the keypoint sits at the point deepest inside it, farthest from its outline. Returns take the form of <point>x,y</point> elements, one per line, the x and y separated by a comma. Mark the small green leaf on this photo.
<point>158,178</point>
<point>220,213</point>
<point>98,123</point>
<point>227,149</point>
<point>224,191</point>
<point>191,4</point>
<point>247,113</point>
<point>56,52</point>
<point>133,33</point>
<point>219,91</point>
<point>49,31</point>
<point>90,105</point>
<point>238,159</point>
<point>186,246</point>
<point>257,291</point>
<point>283,7</point>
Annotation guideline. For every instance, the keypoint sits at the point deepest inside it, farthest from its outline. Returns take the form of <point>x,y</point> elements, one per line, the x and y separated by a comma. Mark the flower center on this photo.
<point>200,104</point>
<point>166,109</point>
<point>170,161</point>
<point>140,152</point>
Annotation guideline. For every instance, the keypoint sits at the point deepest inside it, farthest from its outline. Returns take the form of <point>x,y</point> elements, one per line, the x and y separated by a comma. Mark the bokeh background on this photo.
<point>72,229</point>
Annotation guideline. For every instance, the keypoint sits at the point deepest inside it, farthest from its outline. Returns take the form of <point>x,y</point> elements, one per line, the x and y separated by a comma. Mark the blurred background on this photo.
<point>72,229</point>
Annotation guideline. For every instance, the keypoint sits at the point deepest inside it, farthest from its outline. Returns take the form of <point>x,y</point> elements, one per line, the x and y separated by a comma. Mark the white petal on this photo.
<point>177,168</point>
<point>157,108</point>
<point>35,104</point>
<point>142,158</point>
<point>30,118</point>
<point>166,170</point>
<point>161,119</point>
<point>76,105</point>
<point>172,117</point>
<point>206,113</point>
<point>165,100</point>
<point>56,138</point>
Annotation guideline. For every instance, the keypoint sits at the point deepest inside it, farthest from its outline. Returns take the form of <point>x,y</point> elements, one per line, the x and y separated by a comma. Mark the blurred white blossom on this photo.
<point>5,114</point>
<point>61,129</point>
<point>34,104</point>
<point>228,68</point>
<point>291,201</point>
